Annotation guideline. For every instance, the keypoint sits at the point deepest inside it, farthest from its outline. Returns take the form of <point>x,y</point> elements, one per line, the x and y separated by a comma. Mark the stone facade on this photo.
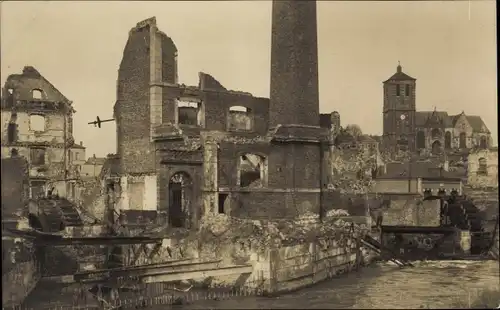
<point>37,124</point>
<point>427,132</point>
<point>483,168</point>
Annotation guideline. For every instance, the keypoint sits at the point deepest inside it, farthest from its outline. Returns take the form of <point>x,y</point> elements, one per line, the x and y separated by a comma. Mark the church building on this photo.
<point>406,129</point>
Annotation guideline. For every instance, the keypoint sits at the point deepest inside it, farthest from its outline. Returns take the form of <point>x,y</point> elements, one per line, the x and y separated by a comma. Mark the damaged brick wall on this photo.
<point>290,192</point>
<point>132,109</point>
<point>132,106</point>
<point>216,105</point>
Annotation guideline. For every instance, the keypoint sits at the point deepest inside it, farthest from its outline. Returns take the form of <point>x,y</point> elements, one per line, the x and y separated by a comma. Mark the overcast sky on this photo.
<point>449,49</point>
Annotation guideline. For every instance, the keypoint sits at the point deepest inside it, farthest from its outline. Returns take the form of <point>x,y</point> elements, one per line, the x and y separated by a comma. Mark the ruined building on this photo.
<point>405,128</point>
<point>37,124</point>
<point>483,168</point>
<point>184,151</point>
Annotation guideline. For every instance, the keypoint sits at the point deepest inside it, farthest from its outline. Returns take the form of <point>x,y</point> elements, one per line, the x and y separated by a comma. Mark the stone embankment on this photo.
<point>20,272</point>
<point>285,255</point>
<point>495,249</point>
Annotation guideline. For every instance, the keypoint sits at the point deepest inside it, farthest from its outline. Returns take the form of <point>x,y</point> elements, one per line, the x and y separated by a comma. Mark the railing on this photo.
<point>144,296</point>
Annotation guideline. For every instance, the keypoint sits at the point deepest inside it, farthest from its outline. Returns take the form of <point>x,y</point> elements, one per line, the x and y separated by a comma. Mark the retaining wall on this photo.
<point>495,249</point>
<point>19,282</point>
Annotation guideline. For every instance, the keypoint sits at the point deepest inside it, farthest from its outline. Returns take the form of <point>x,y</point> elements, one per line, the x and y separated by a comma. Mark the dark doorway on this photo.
<point>436,147</point>
<point>222,202</point>
<point>179,202</point>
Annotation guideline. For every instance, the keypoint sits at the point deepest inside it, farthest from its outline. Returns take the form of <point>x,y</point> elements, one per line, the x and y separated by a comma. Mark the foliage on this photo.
<point>353,130</point>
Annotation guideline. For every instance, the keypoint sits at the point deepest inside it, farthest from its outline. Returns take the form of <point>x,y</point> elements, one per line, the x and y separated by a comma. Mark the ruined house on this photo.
<point>37,124</point>
<point>429,132</point>
<point>482,168</point>
<point>184,151</point>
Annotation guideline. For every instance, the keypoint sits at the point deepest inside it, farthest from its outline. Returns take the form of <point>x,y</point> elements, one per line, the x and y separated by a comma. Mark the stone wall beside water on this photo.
<point>18,282</point>
<point>495,249</point>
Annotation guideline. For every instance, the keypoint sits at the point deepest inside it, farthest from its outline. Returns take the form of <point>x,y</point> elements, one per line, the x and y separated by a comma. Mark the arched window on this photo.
<point>239,119</point>
<point>447,140</point>
<point>180,207</point>
<point>420,140</point>
<point>436,133</point>
<point>436,147</point>
<point>252,170</point>
<point>37,94</point>
<point>483,143</point>
<point>462,140</point>
<point>483,167</point>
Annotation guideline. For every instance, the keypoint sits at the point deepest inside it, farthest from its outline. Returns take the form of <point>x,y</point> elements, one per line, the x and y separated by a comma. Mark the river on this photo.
<point>431,284</point>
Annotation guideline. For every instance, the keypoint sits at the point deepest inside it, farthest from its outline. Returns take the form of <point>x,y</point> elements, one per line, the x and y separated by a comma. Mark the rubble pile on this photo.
<point>263,234</point>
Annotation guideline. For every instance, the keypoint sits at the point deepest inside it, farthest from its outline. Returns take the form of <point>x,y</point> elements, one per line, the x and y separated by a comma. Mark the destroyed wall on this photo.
<point>216,108</point>
<point>412,212</point>
<point>131,110</point>
<point>271,186</point>
<point>482,168</point>
<point>142,57</point>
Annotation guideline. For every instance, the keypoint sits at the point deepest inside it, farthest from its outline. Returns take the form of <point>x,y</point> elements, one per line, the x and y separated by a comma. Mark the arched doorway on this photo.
<point>420,140</point>
<point>180,191</point>
<point>436,147</point>
<point>462,140</point>
<point>447,140</point>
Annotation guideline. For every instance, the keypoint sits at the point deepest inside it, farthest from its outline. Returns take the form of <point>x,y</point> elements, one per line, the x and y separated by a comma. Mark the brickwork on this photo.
<point>294,64</point>
<point>207,150</point>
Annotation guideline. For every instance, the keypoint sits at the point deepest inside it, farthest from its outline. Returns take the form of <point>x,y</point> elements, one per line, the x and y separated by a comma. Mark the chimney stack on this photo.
<point>294,94</point>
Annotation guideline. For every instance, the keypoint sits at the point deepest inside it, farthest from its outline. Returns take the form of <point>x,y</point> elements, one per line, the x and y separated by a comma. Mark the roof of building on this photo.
<point>95,161</point>
<point>423,118</point>
<point>419,169</point>
<point>29,72</point>
<point>400,76</point>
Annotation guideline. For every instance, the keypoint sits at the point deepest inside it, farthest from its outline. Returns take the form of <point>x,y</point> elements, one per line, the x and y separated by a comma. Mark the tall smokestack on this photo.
<point>294,97</point>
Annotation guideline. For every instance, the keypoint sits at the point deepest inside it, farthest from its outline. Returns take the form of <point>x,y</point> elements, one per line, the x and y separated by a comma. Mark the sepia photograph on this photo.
<point>266,154</point>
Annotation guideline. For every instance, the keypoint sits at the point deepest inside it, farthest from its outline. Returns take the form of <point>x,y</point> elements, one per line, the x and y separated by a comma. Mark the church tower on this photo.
<point>399,112</point>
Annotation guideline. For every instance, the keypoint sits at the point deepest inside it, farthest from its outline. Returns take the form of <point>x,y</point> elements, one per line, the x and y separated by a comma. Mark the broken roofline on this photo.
<point>206,81</point>
<point>196,90</point>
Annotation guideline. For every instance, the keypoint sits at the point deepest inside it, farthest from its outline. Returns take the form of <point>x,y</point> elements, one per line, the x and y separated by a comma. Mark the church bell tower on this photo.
<point>399,112</point>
